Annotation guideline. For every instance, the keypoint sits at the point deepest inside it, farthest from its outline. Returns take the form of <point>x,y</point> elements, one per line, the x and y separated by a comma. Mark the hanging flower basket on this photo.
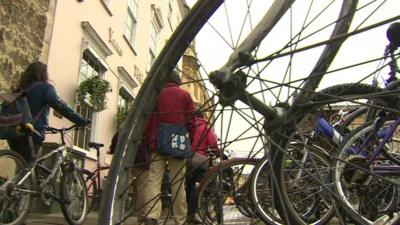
<point>92,92</point>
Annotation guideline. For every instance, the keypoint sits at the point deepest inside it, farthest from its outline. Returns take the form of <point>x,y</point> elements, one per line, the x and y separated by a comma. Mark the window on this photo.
<point>90,66</point>
<point>125,99</point>
<point>155,28</point>
<point>170,14</point>
<point>82,136</point>
<point>152,45</point>
<point>125,94</point>
<point>131,22</point>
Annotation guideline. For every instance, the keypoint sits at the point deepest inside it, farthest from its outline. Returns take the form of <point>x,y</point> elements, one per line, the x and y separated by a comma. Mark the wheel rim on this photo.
<point>76,194</point>
<point>230,196</point>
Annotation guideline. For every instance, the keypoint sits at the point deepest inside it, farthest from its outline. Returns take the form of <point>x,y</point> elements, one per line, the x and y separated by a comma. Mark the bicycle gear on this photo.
<point>354,172</point>
<point>47,193</point>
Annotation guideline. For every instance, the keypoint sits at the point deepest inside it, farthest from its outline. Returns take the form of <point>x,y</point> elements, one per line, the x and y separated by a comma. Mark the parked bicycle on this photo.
<point>309,155</point>
<point>93,183</point>
<point>93,178</point>
<point>367,167</point>
<point>20,182</point>
<point>223,193</point>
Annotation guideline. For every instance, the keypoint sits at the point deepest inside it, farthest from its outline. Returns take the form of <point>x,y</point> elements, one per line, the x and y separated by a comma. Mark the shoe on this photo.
<point>193,220</point>
<point>150,221</point>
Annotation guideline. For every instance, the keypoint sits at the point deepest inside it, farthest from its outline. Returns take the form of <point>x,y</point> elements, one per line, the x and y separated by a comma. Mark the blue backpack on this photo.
<point>14,114</point>
<point>173,140</point>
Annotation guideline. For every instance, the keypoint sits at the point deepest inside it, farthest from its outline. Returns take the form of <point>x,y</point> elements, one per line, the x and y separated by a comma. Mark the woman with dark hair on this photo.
<point>41,96</point>
<point>35,71</point>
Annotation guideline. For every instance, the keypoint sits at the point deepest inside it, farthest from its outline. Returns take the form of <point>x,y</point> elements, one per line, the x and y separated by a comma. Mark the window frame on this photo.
<point>131,22</point>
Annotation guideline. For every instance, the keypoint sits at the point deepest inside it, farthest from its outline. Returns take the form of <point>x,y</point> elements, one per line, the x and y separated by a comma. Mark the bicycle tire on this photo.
<point>343,91</point>
<point>261,189</point>
<point>132,131</point>
<point>343,166</point>
<point>11,212</point>
<point>340,92</point>
<point>359,113</point>
<point>207,189</point>
<point>91,186</point>
<point>74,196</point>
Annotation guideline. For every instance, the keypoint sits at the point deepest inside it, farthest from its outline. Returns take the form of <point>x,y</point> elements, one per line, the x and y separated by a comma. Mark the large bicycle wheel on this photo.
<point>249,83</point>
<point>223,194</point>
<point>74,195</point>
<point>369,193</point>
<point>15,195</point>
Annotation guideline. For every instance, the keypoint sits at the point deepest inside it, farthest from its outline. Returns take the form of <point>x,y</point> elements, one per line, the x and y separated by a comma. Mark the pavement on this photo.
<point>58,219</point>
<point>92,219</point>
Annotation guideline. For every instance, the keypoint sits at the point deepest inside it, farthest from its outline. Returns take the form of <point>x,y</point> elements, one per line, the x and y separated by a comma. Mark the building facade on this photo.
<point>117,40</point>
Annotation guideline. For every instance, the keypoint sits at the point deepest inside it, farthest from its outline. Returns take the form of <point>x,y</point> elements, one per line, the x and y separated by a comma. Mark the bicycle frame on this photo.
<point>59,152</point>
<point>96,174</point>
<point>387,135</point>
<point>328,130</point>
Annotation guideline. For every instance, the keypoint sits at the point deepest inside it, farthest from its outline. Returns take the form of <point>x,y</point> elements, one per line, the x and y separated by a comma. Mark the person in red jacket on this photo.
<point>174,106</point>
<point>204,140</point>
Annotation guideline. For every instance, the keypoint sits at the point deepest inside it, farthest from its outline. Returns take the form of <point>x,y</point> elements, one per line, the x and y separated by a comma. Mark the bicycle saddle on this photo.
<point>95,145</point>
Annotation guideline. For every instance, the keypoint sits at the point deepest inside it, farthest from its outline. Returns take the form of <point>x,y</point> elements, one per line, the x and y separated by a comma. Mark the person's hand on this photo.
<point>88,121</point>
<point>85,123</point>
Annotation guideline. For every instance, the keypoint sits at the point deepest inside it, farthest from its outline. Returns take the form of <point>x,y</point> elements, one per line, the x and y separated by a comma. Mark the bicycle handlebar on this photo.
<point>53,130</point>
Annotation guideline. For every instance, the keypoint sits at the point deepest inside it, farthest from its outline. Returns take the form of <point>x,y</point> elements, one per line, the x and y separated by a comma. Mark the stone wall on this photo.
<point>24,36</point>
<point>23,26</point>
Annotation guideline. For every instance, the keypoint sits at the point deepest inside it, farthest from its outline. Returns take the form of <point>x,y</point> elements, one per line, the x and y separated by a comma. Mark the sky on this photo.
<point>355,49</point>
<point>213,52</point>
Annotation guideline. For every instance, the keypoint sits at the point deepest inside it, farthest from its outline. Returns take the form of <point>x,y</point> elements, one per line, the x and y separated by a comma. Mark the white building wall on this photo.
<point>68,42</point>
